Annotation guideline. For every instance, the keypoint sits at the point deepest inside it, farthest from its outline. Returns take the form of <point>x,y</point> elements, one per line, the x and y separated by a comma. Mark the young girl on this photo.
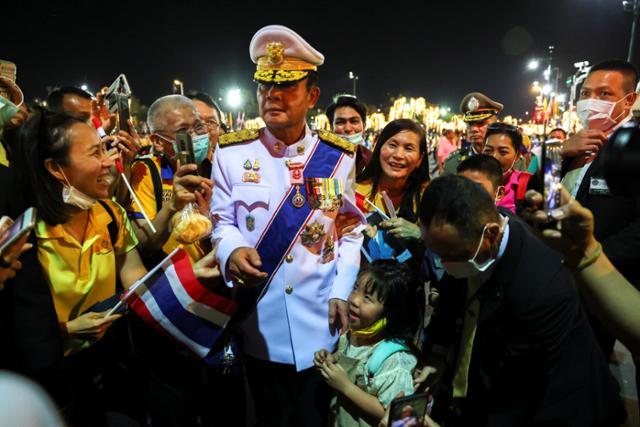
<point>373,362</point>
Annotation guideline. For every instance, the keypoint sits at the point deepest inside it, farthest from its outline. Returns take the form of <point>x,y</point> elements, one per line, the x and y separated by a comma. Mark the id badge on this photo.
<point>599,186</point>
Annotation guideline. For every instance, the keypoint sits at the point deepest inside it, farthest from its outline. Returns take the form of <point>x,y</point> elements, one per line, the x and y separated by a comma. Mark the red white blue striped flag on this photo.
<point>172,301</point>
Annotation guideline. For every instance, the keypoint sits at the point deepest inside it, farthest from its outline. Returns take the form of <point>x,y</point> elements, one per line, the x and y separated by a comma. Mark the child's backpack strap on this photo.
<point>381,353</point>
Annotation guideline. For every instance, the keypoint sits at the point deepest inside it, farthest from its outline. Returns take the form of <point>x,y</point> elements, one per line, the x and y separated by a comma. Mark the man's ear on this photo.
<point>156,141</point>
<point>631,99</point>
<point>54,169</point>
<point>500,193</point>
<point>314,95</point>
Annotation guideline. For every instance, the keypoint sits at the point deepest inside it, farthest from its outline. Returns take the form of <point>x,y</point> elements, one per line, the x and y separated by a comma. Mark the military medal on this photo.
<point>328,250</point>
<point>324,193</point>
<point>312,234</point>
<point>251,174</point>
<point>296,178</point>
<point>298,198</point>
<point>250,222</point>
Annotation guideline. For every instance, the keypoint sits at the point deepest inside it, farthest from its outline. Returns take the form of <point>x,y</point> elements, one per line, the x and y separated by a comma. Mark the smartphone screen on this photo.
<point>23,224</point>
<point>8,70</point>
<point>551,170</point>
<point>185,148</point>
<point>122,102</point>
<point>410,410</point>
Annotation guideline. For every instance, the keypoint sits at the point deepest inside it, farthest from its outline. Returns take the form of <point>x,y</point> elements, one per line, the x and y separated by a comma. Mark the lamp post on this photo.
<point>180,85</point>
<point>353,77</point>
<point>632,6</point>
<point>234,101</point>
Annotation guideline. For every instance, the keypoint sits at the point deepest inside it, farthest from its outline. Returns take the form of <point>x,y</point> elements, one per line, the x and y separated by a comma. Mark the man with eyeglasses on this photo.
<point>164,189</point>
<point>211,115</point>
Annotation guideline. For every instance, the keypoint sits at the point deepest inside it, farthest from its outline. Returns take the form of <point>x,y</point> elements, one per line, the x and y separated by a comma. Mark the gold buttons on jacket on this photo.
<point>289,259</point>
<point>289,290</point>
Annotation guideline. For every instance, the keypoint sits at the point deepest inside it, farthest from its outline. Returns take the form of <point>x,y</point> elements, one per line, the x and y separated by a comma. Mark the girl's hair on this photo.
<point>44,136</point>
<point>395,287</point>
<point>417,179</point>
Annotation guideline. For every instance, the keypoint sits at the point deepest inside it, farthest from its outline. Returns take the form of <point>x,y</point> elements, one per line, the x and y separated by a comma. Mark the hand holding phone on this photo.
<point>185,152</point>
<point>19,228</point>
<point>551,170</point>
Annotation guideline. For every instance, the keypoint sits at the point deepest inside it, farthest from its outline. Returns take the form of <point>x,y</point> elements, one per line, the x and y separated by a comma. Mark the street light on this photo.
<point>533,64</point>
<point>179,84</point>
<point>546,89</point>
<point>234,98</point>
<point>353,77</point>
<point>632,6</point>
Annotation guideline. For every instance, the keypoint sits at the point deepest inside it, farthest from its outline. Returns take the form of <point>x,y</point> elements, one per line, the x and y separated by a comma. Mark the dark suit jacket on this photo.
<point>534,359</point>
<point>617,222</point>
<point>29,331</point>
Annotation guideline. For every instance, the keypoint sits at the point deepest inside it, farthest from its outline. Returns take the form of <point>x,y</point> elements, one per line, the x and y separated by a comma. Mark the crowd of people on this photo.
<point>361,274</point>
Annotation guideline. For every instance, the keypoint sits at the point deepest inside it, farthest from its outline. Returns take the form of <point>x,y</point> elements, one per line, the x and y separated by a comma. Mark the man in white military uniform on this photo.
<point>277,194</point>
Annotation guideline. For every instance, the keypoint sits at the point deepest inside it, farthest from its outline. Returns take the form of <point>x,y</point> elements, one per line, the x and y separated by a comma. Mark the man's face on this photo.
<point>283,107</point>
<point>209,116</point>
<point>77,106</point>
<point>608,85</point>
<point>183,119</point>
<point>556,134</point>
<point>447,242</point>
<point>476,132</point>
<point>347,121</point>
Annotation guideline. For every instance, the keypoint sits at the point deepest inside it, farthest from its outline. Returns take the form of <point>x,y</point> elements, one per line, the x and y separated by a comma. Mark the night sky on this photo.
<point>437,49</point>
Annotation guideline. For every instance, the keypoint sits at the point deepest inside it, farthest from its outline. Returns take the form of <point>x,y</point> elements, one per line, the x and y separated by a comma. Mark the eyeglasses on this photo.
<point>212,124</point>
<point>200,128</point>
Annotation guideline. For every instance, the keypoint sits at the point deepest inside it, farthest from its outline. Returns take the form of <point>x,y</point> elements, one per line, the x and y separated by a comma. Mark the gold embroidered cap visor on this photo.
<point>279,77</point>
<point>479,115</point>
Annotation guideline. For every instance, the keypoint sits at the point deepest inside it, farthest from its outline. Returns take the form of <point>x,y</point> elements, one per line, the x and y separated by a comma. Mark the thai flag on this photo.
<point>172,301</point>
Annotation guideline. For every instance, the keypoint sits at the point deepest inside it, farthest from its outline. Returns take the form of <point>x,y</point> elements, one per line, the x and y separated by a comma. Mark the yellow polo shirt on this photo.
<point>142,184</point>
<point>80,274</point>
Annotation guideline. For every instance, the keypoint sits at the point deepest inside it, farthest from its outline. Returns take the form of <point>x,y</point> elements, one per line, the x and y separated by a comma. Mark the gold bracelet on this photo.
<point>587,260</point>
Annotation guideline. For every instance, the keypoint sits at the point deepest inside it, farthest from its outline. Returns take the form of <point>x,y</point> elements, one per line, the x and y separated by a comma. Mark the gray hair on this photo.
<point>156,114</point>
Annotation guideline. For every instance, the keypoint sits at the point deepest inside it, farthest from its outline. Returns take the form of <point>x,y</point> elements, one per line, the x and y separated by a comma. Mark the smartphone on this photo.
<point>21,226</point>
<point>185,148</point>
<point>410,410</point>
<point>8,70</point>
<point>551,172</point>
<point>120,86</point>
<point>122,102</point>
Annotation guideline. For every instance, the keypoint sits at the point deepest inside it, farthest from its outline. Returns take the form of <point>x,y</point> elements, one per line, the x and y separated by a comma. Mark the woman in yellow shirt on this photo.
<point>67,170</point>
<point>399,166</point>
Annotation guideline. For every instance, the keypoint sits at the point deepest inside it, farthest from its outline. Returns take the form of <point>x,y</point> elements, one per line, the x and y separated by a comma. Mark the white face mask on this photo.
<point>596,113</point>
<point>355,138</point>
<point>471,268</point>
<point>72,196</point>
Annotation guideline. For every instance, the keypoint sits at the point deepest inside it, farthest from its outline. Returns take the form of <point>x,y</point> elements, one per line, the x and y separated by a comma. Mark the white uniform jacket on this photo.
<point>290,322</point>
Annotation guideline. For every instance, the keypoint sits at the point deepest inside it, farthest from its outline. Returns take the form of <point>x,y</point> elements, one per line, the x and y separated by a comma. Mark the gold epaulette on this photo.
<point>245,135</point>
<point>334,140</point>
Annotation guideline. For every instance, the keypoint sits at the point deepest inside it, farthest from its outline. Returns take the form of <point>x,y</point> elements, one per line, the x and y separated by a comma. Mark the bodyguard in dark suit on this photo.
<point>510,328</point>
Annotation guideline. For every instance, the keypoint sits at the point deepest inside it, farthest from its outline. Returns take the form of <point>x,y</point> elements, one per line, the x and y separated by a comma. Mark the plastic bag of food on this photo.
<point>189,225</point>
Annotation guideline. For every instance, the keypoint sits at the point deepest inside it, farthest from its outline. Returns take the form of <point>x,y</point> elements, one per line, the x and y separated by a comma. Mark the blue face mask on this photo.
<point>7,110</point>
<point>201,147</point>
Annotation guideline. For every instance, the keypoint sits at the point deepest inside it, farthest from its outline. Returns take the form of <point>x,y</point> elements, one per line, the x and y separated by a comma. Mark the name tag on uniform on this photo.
<point>598,186</point>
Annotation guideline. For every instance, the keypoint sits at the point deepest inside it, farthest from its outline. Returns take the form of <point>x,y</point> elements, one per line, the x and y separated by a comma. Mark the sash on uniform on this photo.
<point>287,222</point>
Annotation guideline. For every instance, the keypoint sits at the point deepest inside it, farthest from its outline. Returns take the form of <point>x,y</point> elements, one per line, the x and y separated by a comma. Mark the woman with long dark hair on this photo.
<point>399,167</point>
